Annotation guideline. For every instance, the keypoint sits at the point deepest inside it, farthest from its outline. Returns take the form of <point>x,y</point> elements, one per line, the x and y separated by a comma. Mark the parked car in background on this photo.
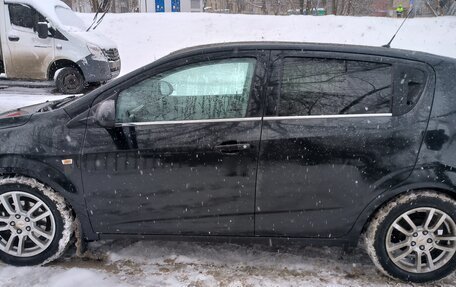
<point>317,143</point>
<point>46,41</point>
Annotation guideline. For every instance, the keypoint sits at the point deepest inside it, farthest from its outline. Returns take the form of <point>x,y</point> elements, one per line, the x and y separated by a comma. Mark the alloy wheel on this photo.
<point>421,240</point>
<point>27,225</point>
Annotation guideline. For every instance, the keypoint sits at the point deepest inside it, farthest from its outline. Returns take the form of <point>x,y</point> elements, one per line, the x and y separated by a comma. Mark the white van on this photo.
<point>46,40</point>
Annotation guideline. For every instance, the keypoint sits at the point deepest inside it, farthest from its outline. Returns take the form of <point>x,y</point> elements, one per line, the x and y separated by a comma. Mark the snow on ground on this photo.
<point>11,98</point>
<point>144,38</point>
<point>163,264</point>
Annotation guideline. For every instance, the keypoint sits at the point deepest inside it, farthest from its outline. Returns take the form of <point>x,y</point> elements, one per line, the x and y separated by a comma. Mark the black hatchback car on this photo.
<point>326,144</point>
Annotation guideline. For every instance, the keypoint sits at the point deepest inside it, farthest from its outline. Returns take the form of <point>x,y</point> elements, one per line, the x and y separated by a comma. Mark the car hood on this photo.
<point>20,116</point>
<point>95,38</point>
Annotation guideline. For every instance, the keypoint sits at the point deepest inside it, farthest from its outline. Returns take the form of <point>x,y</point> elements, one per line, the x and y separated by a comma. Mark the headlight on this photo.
<point>97,52</point>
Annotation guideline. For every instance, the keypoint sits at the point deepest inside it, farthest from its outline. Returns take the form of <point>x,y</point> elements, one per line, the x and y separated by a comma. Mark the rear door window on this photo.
<point>409,83</point>
<point>317,86</point>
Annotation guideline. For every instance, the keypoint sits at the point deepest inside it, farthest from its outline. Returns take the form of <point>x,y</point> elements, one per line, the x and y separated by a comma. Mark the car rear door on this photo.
<point>183,156</point>
<point>339,130</point>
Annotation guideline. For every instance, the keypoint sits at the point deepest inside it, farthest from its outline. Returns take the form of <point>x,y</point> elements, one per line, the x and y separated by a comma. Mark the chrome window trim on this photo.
<point>327,117</point>
<point>189,122</point>
<point>251,119</point>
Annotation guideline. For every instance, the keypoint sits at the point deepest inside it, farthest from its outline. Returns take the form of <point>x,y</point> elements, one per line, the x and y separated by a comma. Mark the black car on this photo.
<point>323,144</point>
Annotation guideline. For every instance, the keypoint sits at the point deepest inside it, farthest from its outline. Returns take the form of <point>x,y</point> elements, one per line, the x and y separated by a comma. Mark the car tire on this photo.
<point>36,224</point>
<point>412,238</point>
<point>69,80</point>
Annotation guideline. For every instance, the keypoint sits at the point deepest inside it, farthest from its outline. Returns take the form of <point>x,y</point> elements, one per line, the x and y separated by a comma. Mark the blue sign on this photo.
<point>159,5</point>
<point>175,5</point>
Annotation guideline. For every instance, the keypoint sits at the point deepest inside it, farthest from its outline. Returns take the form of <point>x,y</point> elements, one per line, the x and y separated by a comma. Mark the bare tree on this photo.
<point>264,9</point>
<point>450,8</point>
<point>301,6</point>
<point>100,5</point>
<point>308,7</point>
<point>94,4</point>
<point>69,2</point>
<point>352,7</point>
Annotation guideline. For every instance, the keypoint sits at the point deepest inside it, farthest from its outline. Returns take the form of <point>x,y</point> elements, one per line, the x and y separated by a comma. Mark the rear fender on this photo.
<point>434,177</point>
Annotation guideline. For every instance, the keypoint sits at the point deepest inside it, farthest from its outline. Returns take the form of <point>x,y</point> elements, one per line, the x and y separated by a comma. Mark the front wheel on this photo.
<point>35,223</point>
<point>413,238</point>
<point>69,80</point>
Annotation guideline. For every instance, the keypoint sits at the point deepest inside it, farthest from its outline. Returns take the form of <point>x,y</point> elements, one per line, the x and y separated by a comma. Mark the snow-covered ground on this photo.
<point>163,264</point>
<point>143,38</point>
<point>12,98</point>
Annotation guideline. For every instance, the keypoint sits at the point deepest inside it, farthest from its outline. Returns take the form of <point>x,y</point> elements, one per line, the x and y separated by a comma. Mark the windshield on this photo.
<point>69,19</point>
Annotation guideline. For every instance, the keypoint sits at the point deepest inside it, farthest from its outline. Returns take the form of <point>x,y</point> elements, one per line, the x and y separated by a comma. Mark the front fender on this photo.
<point>45,173</point>
<point>38,170</point>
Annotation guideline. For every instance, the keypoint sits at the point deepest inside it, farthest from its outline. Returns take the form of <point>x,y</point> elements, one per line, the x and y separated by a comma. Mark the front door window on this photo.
<point>211,90</point>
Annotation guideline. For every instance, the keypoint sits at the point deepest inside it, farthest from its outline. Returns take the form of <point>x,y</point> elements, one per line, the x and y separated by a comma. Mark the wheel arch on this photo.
<point>39,171</point>
<point>380,201</point>
<point>62,63</point>
<point>43,173</point>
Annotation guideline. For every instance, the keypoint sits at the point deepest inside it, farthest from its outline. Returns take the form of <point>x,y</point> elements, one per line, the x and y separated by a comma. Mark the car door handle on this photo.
<point>232,148</point>
<point>13,38</point>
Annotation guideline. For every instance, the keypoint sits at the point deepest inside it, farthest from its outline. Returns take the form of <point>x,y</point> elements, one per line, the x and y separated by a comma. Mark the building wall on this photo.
<point>185,6</point>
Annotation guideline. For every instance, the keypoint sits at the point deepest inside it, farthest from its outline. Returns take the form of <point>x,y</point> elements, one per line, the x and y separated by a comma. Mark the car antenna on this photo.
<point>394,36</point>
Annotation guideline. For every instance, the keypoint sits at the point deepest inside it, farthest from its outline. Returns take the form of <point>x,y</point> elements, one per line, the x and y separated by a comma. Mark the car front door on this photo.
<point>30,55</point>
<point>182,158</point>
<point>338,131</point>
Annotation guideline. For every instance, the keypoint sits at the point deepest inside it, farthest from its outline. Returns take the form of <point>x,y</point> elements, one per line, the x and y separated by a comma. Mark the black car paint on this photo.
<point>424,136</point>
<point>215,190</point>
<point>331,168</point>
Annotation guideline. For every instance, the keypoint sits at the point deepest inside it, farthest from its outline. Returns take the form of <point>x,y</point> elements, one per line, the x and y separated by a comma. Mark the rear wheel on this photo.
<point>69,80</point>
<point>35,223</point>
<point>413,238</point>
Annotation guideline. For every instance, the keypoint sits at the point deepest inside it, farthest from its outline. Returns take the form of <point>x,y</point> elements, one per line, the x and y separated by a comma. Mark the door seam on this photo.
<point>263,96</point>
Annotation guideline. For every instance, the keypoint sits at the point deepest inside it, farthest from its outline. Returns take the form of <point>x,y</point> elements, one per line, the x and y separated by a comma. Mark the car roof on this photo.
<point>325,47</point>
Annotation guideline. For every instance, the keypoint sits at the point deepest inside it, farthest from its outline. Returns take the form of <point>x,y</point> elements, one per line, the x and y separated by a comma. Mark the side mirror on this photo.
<point>165,88</point>
<point>105,114</point>
<point>43,30</point>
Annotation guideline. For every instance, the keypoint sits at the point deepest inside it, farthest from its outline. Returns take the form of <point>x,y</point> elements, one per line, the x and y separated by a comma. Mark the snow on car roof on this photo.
<point>40,5</point>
